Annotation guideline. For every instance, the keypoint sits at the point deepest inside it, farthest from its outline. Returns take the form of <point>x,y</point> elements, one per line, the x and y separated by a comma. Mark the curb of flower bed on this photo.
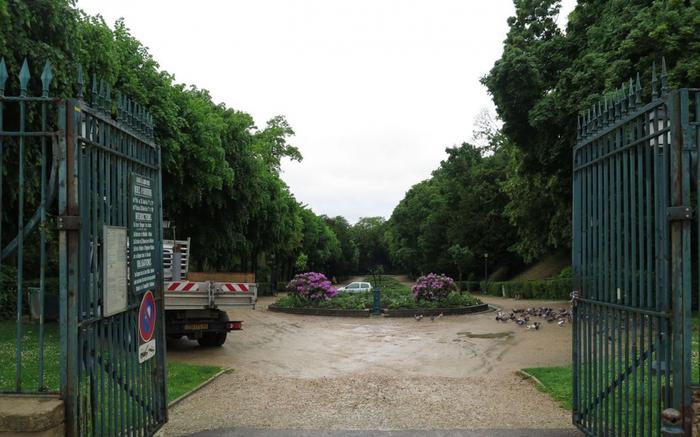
<point>396,312</point>
<point>319,311</point>
<point>410,312</point>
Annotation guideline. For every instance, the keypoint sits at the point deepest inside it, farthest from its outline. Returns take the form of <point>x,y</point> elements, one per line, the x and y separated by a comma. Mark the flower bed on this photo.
<point>437,295</point>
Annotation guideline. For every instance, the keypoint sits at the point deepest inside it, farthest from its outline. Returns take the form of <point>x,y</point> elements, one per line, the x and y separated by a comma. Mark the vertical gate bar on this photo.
<point>609,337</point>
<point>602,273</point>
<point>592,416</point>
<point>631,319</point>
<point>583,282</point>
<point>652,324</point>
<point>162,362</point>
<point>42,244</point>
<point>684,363</point>
<point>697,203</point>
<point>676,252</point>
<point>71,268</point>
<point>594,277</point>
<point>3,78</point>
<point>20,238</point>
<point>629,288</point>
<point>575,359</point>
<point>101,286</point>
<point>666,324</point>
<point>585,226</point>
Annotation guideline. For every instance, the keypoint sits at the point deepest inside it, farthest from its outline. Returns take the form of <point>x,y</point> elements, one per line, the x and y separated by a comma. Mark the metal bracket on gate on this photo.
<point>68,223</point>
<point>679,213</point>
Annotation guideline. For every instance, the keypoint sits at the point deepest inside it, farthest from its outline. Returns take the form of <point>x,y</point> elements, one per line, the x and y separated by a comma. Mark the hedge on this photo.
<point>469,285</point>
<point>559,289</point>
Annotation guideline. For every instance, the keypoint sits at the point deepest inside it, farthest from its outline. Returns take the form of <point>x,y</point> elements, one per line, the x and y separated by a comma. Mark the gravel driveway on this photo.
<point>303,372</point>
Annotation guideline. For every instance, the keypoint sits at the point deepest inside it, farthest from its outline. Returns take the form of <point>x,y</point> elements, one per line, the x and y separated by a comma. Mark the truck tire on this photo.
<point>214,339</point>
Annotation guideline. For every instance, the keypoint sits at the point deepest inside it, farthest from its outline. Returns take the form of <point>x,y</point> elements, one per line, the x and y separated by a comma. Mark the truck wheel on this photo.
<point>212,339</point>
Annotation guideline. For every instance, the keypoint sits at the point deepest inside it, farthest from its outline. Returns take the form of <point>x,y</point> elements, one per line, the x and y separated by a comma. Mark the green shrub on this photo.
<point>469,286</point>
<point>557,289</point>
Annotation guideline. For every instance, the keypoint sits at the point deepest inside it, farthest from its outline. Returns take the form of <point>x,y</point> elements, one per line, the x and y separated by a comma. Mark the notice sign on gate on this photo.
<point>142,240</point>
<point>142,234</point>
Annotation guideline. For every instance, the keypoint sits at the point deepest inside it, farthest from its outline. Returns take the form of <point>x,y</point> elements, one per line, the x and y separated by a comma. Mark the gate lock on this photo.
<point>679,213</point>
<point>68,223</point>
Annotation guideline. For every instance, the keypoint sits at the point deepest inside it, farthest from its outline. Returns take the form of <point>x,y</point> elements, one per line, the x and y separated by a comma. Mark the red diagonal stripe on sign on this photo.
<point>243,288</point>
<point>173,286</point>
<point>189,286</point>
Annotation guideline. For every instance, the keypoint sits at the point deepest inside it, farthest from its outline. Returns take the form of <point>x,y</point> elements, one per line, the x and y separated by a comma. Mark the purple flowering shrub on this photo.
<point>433,287</point>
<point>312,286</point>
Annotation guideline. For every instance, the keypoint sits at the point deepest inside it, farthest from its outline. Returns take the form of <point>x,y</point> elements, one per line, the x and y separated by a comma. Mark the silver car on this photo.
<point>356,287</point>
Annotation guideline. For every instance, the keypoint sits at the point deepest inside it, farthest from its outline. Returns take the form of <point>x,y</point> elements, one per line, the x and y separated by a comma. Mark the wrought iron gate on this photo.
<point>635,173</point>
<point>108,222</point>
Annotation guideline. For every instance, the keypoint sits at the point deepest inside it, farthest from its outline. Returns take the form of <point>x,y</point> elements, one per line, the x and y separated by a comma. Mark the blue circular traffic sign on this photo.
<point>147,316</point>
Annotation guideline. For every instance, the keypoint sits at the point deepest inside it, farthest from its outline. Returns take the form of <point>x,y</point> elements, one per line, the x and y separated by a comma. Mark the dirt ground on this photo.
<point>457,372</point>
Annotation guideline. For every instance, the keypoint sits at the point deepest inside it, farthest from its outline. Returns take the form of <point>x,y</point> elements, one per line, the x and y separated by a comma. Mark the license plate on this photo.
<point>197,326</point>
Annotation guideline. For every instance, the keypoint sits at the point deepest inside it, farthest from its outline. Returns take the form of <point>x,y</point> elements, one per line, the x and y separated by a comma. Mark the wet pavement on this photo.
<point>242,432</point>
<point>456,373</point>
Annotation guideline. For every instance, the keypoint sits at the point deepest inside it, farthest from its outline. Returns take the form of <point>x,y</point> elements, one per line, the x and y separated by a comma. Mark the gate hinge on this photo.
<point>679,213</point>
<point>68,223</point>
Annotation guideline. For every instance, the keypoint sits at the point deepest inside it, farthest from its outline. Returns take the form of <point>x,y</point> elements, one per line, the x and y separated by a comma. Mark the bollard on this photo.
<point>377,303</point>
<point>671,423</point>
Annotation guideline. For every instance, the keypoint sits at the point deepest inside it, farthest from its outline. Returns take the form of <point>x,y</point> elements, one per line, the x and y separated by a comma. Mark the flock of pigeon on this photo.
<point>419,317</point>
<point>521,316</point>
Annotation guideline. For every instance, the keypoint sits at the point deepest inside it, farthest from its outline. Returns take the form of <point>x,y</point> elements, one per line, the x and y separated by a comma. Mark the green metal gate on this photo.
<point>635,174</point>
<point>105,174</point>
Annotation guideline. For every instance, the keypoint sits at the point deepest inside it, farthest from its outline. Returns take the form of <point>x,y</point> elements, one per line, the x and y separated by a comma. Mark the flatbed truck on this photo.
<point>196,303</point>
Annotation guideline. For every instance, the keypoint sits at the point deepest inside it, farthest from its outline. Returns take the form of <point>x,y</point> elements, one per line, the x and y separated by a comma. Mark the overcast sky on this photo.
<point>375,89</point>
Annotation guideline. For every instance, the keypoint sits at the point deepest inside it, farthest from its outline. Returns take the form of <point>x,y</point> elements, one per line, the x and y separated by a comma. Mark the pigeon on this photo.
<point>433,317</point>
<point>418,317</point>
<point>523,316</point>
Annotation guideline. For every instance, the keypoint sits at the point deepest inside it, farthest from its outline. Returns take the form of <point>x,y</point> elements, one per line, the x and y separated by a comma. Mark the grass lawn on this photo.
<point>181,377</point>
<point>557,382</point>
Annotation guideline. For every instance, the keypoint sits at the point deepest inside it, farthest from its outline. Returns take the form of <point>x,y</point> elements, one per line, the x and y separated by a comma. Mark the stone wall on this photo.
<point>31,416</point>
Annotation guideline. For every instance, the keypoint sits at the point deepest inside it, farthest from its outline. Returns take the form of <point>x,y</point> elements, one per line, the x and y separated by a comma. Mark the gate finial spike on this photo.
<point>101,94</point>
<point>80,80</point>
<point>638,90</point>
<point>3,76</point>
<point>578,126</point>
<point>631,94</point>
<point>623,99</point>
<point>46,77</point>
<point>664,76</point>
<point>24,78</point>
<point>108,96</point>
<point>118,98</point>
<point>654,93</point>
<point>606,110</point>
<point>93,93</point>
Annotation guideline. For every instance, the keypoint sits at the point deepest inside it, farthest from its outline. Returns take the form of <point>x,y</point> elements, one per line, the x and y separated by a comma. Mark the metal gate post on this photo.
<point>680,218</point>
<point>68,226</point>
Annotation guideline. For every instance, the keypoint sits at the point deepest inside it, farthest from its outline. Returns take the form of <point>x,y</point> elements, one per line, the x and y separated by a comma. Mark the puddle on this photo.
<point>486,334</point>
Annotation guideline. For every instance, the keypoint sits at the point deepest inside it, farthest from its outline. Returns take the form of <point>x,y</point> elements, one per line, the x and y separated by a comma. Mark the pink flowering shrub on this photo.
<point>312,286</point>
<point>433,287</point>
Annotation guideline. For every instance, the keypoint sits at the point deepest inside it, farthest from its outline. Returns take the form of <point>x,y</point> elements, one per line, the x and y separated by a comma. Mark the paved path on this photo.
<point>338,374</point>
<point>247,432</point>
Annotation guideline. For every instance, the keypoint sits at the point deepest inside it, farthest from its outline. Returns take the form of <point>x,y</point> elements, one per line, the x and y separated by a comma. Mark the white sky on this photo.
<point>375,89</point>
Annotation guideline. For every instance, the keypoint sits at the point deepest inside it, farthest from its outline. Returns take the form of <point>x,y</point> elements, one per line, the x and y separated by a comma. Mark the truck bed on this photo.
<point>181,295</point>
